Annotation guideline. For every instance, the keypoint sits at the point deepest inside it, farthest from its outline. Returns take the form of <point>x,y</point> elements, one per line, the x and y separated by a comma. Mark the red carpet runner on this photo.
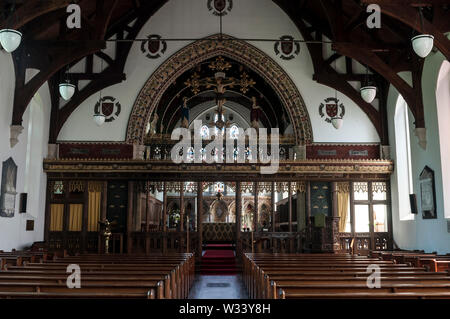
<point>218,263</point>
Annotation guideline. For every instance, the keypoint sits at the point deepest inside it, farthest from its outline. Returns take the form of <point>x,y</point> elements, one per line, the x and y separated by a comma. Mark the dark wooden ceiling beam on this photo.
<point>31,10</point>
<point>406,15</point>
<point>348,77</point>
<point>108,78</point>
<point>412,3</point>
<point>326,75</point>
<point>25,92</point>
<point>371,59</point>
<point>113,74</point>
<point>59,59</point>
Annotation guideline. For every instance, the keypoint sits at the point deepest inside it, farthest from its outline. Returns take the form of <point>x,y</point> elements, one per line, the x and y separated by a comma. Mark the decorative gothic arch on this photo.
<point>201,50</point>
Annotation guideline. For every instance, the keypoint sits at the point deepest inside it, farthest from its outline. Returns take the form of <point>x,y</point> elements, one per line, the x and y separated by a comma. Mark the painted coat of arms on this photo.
<point>332,108</point>
<point>220,7</point>
<point>109,107</point>
<point>154,47</point>
<point>287,48</point>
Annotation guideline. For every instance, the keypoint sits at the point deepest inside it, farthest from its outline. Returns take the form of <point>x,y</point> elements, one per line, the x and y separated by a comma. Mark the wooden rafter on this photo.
<point>31,10</point>
<point>112,75</point>
<point>406,13</point>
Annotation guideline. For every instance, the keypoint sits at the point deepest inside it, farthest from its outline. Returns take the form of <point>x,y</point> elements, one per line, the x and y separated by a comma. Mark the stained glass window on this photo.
<point>204,132</point>
<point>234,132</point>
<point>219,187</point>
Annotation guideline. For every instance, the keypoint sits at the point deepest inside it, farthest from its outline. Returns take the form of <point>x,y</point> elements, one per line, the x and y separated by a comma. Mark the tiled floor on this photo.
<point>218,287</point>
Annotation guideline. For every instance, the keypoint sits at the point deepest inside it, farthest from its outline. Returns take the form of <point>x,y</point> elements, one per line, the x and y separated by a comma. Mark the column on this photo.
<point>104,201</point>
<point>238,207</point>
<point>290,205</point>
<point>181,248</point>
<point>84,224</point>
<point>181,206</point>
<point>352,218</point>
<point>334,199</point>
<point>199,218</point>
<point>130,217</point>
<point>165,217</point>
<point>255,212</point>
<point>48,198</point>
<point>335,219</point>
<point>308,203</point>
<point>301,207</point>
<point>371,221</point>
<point>147,211</point>
<point>273,206</point>
<point>165,206</point>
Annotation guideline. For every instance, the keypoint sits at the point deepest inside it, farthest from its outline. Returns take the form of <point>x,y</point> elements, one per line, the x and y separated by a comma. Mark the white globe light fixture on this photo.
<point>337,122</point>
<point>99,119</point>
<point>66,90</point>
<point>423,44</point>
<point>368,93</point>
<point>10,39</point>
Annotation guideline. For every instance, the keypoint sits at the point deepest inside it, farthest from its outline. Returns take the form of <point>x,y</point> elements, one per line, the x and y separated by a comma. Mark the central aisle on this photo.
<point>218,278</point>
<point>218,287</point>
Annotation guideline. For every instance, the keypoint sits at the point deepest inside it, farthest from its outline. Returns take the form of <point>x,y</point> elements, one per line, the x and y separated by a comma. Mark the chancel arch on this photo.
<point>199,51</point>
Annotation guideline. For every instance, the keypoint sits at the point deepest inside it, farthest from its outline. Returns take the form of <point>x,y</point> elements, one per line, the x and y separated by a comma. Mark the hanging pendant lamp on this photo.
<point>66,90</point>
<point>368,92</point>
<point>423,43</point>
<point>10,39</point>
<point>99,117</point>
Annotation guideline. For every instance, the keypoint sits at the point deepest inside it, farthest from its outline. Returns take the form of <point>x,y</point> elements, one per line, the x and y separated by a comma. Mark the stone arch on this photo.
<point>194,53</point>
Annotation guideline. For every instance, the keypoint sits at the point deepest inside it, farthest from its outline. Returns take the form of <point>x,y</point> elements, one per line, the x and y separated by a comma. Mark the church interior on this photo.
<point>203,149</point>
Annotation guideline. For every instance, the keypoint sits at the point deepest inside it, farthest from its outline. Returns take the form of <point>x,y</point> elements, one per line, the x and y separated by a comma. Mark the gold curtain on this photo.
<point>343,204</point>
<point>56,217</point>
<point>75,217</point>
<point>94,211</point>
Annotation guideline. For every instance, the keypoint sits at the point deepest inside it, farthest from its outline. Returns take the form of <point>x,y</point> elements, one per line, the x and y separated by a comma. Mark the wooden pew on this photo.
<point>313,276</point>
<point>102,276</point>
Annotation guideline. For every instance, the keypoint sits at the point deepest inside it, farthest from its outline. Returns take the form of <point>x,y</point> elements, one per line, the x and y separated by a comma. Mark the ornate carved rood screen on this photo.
<point>322,198</point>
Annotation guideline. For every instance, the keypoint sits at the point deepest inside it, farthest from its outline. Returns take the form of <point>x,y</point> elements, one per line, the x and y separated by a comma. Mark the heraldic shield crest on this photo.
<point>154,47</point>
<point>332,108</point>
<point>220,7</point>
<point>109,107</point>
<point>287,48</point>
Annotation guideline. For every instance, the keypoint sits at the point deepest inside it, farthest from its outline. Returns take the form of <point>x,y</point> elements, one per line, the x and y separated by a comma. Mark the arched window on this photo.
<point>190,154</point>
<point>219,187</point>
<point>443,115</point>
<point>216,130</point>
<point>35,153</point>
<point>403,159</point>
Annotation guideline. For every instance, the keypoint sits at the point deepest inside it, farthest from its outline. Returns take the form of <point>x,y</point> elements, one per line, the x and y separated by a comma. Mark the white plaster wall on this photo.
<point>12,230</point>
<point>427,234</point>
<point>191,19</point>
<point>443,107</point>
